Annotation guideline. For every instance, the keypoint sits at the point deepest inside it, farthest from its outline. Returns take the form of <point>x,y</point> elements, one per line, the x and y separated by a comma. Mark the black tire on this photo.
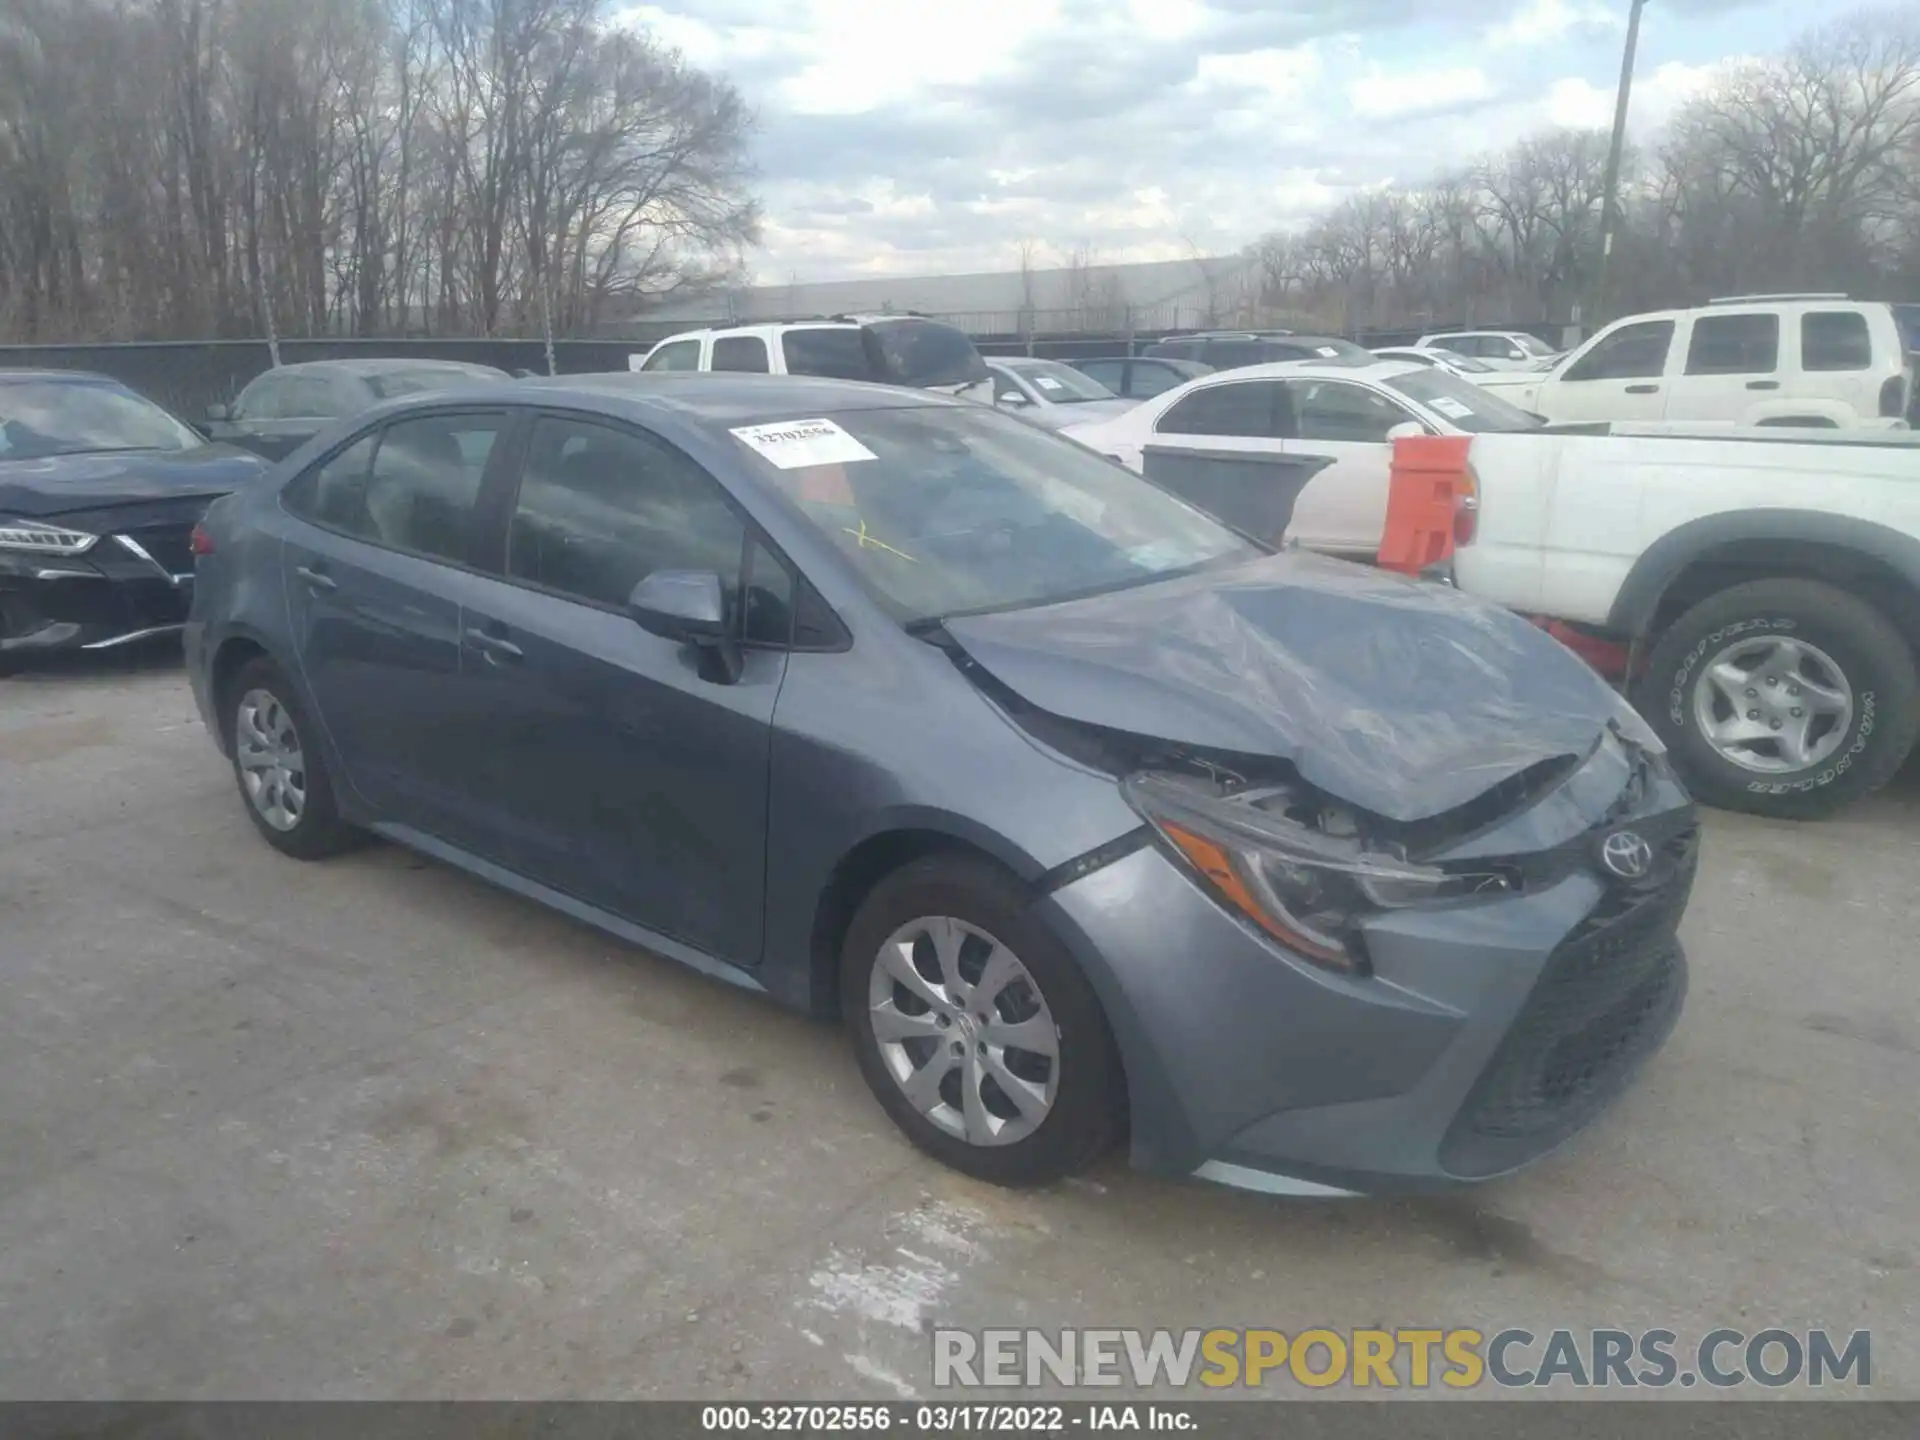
<point>1876,660</point>
<point>1089,1109</point>
<point>319,831</point>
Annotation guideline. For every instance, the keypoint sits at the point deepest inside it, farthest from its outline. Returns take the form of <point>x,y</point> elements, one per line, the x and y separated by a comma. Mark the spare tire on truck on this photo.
<point>1785,697</point>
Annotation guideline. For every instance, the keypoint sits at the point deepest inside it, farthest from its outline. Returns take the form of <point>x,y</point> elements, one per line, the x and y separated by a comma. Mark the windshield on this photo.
<point>948,510</point>
<point>1059,384</point>
<point>1469,364</point>
<point>75,417</point>
<point>924,353</point>
<point>386,384</point>
<point>1463,404</point>
<point>1535,346</point>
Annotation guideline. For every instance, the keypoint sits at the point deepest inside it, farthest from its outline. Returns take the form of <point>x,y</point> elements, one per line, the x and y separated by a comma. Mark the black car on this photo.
<point>100,489</point>
<point>281,410</point>
<point>1140,377</point>
<point>1230,352</point>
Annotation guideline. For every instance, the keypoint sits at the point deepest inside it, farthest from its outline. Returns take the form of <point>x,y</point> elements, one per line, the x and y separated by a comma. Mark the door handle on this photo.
<point>1643,389</point>
<point>496,648</point>
<point>1763,384</point>
<point>318,581</point>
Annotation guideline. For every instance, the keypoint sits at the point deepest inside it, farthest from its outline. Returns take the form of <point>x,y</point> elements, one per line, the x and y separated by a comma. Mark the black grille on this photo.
<point>1605,1000</point>
<point>170,544</point>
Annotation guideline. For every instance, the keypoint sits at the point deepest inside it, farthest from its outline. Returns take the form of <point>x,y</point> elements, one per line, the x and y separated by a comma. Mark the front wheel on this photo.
<point>975,1029</point>
<point>1783,697</point>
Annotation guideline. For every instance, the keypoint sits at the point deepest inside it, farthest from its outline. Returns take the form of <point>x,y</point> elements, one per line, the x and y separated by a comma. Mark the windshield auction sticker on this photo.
<point>796,444</point>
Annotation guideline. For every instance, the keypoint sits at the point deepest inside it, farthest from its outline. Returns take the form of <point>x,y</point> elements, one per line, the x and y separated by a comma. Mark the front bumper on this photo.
<point>136,581</point>
<point>1489,1033</point>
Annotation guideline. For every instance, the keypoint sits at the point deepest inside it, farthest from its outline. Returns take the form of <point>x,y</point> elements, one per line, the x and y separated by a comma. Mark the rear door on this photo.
<point>1343,509</point>
<point>1731,367</point>
<point>629,773</point>
<point>1232,415</point>
<point>1621,376</point>
<point>372,569</point>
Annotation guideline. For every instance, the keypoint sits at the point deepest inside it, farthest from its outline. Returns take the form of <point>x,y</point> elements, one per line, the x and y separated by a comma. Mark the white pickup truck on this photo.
<point>1767,581</point>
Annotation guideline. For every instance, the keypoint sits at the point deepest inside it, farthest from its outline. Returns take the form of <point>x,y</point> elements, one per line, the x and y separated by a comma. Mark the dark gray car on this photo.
<point>281,410</point>
<point>1088,815</point>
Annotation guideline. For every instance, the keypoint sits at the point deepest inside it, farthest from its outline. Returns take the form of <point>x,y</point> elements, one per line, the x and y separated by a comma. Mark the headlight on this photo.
<point>1305,887</point>
<point>43,539</point>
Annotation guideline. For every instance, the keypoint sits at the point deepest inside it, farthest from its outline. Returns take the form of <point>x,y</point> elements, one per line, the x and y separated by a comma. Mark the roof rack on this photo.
<point>1756,299</point>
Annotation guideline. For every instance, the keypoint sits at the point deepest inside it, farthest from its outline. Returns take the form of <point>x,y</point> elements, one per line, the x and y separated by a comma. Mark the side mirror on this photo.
<point>219,412</point>
<point>690,607</point>
<point>1406,430</point>
<point>1011,397</point>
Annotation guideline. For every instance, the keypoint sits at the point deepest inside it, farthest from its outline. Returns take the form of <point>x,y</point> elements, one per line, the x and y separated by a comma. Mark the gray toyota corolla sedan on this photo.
<point>1091,817</point>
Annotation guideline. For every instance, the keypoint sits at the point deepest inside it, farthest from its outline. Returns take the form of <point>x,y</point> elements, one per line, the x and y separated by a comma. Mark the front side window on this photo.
<point>39,418</point>
<point>941,510</point>
<point>424,480</point>
<point>679,355</point>
<point>429,379</point>
<point>265,398</point>
<point>744,353</point>
<point>1835,340</point>
<point>1247,410</point>
<point>1633,352</point>
<point>1734,345</point>
<point>1110,373</point>
<point>600,509</point>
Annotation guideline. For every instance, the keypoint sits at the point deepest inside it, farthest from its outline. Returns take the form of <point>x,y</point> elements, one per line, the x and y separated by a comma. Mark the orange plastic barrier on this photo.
<point>1426,496</point>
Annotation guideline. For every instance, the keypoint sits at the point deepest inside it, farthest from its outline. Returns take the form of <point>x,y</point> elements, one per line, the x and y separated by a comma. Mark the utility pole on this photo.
<point>1610,189</point>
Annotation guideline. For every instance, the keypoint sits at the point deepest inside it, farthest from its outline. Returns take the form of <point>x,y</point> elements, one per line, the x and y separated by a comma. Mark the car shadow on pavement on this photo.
<point>119,663</point>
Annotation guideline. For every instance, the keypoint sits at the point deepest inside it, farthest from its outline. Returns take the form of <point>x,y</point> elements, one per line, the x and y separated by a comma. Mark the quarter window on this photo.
<point>600,509</point>
<point>1835,340</point>
<point>1734,345</point>
<point>332,492</point>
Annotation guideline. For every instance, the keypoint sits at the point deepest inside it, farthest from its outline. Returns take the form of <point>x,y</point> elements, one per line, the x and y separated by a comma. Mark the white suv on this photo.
<point>891,349</point>
<point>1819,360</point>
<point>1499,349</point>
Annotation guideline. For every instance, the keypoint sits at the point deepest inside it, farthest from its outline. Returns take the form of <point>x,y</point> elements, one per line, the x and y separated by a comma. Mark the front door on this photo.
<point>1621,376</point>
<point>631,770</point>
<point>372,575</point>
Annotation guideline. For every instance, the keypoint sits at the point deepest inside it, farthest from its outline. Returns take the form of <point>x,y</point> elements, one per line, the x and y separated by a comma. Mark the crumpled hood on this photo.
<point>62,483</point>
<point>1400,698</point>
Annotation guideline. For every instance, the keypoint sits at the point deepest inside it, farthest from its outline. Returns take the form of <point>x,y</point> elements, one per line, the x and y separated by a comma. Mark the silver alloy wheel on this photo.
<point>964,1030</point>
<point>1773,704</point>
<point>273,769</point>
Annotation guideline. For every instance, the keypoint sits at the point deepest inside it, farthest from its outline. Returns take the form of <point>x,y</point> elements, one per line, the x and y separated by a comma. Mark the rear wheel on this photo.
<point>1783,697</point>
<point>282,776</point>
<point>974,1027</point>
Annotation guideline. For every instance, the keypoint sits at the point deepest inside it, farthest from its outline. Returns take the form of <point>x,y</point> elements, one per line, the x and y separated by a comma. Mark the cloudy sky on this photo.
<point>931,136</point>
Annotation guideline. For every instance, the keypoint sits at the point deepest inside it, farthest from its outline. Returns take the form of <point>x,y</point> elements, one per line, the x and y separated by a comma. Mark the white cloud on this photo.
<point>1583,105</point>
<point>1379,96</point>
<point>1545,22</point>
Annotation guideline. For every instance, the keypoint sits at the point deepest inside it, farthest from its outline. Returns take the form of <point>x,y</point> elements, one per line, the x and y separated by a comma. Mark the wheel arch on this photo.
<point>233,653</point>
<point>1870,561</point>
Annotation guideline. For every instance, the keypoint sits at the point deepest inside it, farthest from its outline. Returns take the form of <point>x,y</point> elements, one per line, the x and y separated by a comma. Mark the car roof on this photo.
<point>90,377</point>
<point>1372,368</point>
<point>1016,362</point>
<point>380,365</point>
<point>703,398</point>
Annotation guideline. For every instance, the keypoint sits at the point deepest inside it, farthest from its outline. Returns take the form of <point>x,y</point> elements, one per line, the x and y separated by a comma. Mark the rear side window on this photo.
<point>425,477</point>
<point>1835,340</point>
<point>1246,410</point>
<point>1734,345</point>
<point>680,355</point>
<point>835,354</point>
<point>1232,354</point>
<point>745,353</point>
<point>331,492</point>
<point>919,352</point>
<point>1633,352</point>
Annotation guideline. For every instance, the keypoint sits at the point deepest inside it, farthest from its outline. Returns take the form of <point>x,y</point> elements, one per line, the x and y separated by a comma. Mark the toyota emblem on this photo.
<point>1626,855</point>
